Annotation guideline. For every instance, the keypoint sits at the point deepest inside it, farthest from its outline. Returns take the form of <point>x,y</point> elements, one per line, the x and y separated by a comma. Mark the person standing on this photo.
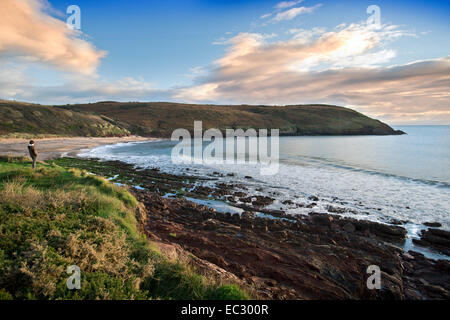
<point>33,153</point>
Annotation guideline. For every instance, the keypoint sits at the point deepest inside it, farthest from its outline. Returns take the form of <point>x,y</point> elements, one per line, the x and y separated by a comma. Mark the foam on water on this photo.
<point>352,190</point>
<point>363,194</point>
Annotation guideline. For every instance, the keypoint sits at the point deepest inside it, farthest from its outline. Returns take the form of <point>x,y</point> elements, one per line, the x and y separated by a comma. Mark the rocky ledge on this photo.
<point>274,255</point>
<point>318,256</point>
<point>436,239</point>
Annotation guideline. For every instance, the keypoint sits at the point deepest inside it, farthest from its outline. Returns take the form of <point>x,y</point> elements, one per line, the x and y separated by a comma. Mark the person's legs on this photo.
<point>34,162</point>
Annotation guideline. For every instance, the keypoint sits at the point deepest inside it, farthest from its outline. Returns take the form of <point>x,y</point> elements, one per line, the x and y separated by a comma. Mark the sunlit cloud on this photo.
<point>345,66</point>
<point>349,65</point>
<point>29,33</point>
<point>15,83</point>
<point>287,4</point>
<point>294,12</point>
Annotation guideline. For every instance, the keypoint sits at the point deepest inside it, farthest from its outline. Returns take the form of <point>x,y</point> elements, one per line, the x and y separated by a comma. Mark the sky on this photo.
<point>387,59</point>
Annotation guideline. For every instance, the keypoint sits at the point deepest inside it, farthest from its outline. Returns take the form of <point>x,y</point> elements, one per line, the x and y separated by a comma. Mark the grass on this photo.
<point>55,217</point>
<point>24,120</point>
<point>125,174</point>
<point>162,118</point>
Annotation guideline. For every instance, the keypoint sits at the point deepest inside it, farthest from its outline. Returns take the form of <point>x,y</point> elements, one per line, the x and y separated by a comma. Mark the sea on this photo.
<point>389,179</point>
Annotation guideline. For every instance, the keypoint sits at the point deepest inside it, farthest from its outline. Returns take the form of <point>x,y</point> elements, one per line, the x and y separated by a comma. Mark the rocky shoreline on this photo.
<point>274,255</point>
<point>313,257</point>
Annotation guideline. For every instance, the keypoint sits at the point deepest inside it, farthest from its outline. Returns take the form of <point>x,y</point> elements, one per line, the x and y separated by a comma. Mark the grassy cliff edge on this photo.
<point>55,217</point>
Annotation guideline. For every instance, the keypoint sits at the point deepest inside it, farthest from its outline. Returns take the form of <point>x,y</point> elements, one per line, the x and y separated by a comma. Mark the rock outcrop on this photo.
<point>435,238</point>
<point>318,256</point>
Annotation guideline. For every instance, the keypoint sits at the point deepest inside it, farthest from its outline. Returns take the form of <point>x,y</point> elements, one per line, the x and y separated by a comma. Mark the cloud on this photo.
<point>265,16</point>
<point>31,38</point>
<point>294,12</point>
<point>346,66</point>
<point>287,4</point>
<point>28,32</point>
<point>17,84</point>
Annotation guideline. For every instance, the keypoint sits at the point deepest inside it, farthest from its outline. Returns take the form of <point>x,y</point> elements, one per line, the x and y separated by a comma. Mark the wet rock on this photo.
<point>319,256</point>
<point>436,239</point>
<point>382,231</point>
<point>321,219</point>
<point>275,226</point>
<point>432,224</point>
<point>349,227</point>
<point>245,199</point>
<point>257,201</point>
<point>336,209</point>
<point>335,227</point>
<point>407,256</point>
<point>262,201</point>
<point>210,224</point>
<point>231,199</point>
<point>202,191</point>
<point>239,194</point>
<point>396,222</point>
<point>303,259</point>
<point>247,215</point>
<point>313,198</point>
<point>437,292</point>
<point>284,234</point>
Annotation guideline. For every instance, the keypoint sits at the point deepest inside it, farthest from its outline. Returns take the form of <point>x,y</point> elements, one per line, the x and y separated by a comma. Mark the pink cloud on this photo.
<point>338,67</point>
<point>26,31</point>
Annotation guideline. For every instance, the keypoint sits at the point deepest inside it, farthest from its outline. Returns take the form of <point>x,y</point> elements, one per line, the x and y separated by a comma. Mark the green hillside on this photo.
<point>159,119</point>
<point>20,119</point>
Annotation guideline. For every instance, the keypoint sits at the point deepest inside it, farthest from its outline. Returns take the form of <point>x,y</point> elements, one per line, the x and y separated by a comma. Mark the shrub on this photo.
<point>174,280</point>
<point>227,292</point>
<point>4,295</point>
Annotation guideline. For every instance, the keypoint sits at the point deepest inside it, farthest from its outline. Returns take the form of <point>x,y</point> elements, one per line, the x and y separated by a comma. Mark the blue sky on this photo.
<point>162,40</point>
<point>188,51</point>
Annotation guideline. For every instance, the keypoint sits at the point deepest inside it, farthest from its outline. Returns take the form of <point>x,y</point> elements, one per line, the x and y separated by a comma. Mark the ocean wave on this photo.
<point>363,193</point>
<point>354,168</point>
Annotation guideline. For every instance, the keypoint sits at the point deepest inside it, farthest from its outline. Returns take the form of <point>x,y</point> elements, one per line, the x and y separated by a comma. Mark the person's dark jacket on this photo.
<point>32,150</point>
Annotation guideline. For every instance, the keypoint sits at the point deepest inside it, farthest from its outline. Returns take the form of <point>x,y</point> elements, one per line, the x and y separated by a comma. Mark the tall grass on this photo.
<point>52,218</point>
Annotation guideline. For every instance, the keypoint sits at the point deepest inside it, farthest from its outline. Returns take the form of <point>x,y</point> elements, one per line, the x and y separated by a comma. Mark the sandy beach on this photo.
<point>50,148</point>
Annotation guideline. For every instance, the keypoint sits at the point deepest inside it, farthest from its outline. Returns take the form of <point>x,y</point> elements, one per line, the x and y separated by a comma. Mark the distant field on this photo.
<point>159,119</point>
